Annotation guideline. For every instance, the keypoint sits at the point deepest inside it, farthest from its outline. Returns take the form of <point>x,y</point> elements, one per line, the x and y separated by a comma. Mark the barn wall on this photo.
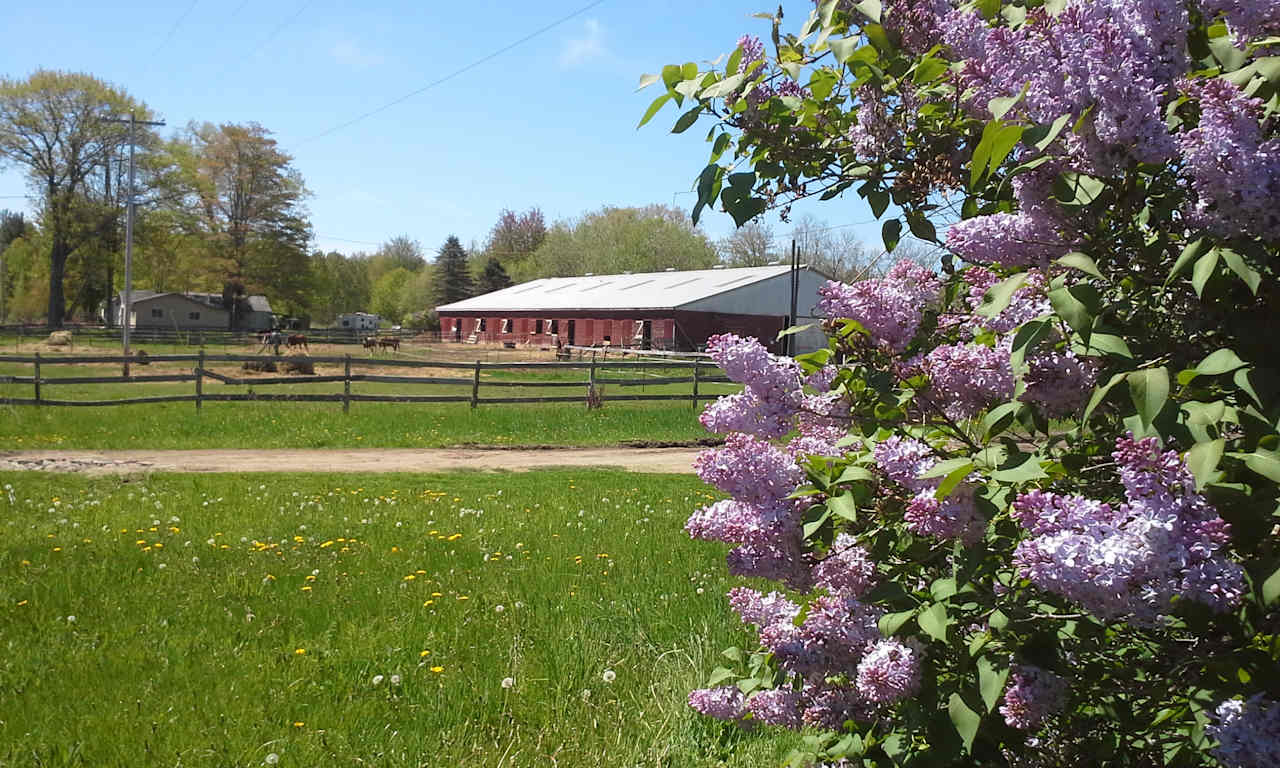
<point>590,329</point>
<point>694,328</point>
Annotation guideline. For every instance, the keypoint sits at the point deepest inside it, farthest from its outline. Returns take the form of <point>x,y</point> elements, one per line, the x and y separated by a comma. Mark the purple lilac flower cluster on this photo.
<point>846,571</point>
<point>1028,302</point>
<point>1132,561</point>
<point>903,461</point>
<point>760,609</point>
<point>723,703</point>
<point>916,22</point>
<point>752,50</point>
<point>1032,695</point>
<point>1246,19</point>
<point>966,378</point>
<point>872,130</point>
<point>1029,238</point>
<point>889,672</point>
<point>1059,382</point>
<point>1248,733</point>
<point>1235,173</point>
<point>890,308</point>
<point>768,404</point>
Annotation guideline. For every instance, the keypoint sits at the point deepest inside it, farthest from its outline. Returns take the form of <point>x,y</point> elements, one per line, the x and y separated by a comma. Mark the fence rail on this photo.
<point>210,337</point>
<point>701,373</point>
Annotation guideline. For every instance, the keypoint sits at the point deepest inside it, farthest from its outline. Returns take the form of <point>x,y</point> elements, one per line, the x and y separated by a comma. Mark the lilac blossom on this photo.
<point>890,308</point>
<point>1248,733</point>
<point>1246,19</point>
<point>872,129</point>
<point>723,703</point>
<point>955,517</point>
<point>780,706</point>
<point>752,50</point>
<point>966,378</point>
<point>750,470</point>
<point>1235,174</point>
<point>903,460</point>
<point>772,394</point>
<point>830,706</point>
<point>916,22</point>
<point>847,570</point>
<point>889,672</point>
<point>1135,560</point>
<point>778,556</point>
<point>1059,382</point>
<point>1028,302</point>
<point>1009,239</point>
<point>761,609</point>
<point>1032,695</point>
<point>835,633</point>
<point>820,380</point>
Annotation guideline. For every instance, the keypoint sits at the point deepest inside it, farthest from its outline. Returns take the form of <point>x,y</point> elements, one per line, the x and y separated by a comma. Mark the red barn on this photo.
<point>654,310</point>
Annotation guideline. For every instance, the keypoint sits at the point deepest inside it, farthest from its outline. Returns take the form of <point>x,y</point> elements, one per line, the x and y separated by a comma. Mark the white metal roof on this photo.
<point>646,290</point>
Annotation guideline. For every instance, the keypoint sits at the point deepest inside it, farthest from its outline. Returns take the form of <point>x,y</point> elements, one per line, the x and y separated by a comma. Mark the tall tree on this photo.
<point>493,278</point>
<point>612,240</point>
<point>515,236</point>
<point>52,126</point>
<point>246,198</point>
<point>750,245</point>
<point>12,226</point>
<point>400,252</point>
<point>452,278</point>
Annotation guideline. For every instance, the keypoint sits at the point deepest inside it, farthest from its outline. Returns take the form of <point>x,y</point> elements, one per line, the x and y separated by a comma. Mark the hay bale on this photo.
<point>261,366</point>
<point>59,339</point>
<point>299,364</point>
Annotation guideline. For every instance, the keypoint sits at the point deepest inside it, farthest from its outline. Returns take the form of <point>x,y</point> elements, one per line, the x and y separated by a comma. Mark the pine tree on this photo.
<point>453,279</point>
<point>494,277</point>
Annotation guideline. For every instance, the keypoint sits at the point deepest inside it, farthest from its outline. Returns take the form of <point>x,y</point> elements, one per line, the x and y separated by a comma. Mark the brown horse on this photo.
<point>393,342</point>
<point>297,340</point>
<point>370,342</point>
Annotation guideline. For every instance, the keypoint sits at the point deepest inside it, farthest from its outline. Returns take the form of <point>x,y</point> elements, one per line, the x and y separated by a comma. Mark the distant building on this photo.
<point>203,311</point>
<point>654,310</point>
<point>358,321</point>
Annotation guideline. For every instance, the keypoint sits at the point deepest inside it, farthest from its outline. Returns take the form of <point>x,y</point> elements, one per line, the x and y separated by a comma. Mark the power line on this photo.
<point>296,14</point>
<point>456,72</point>
<point>175,26</point>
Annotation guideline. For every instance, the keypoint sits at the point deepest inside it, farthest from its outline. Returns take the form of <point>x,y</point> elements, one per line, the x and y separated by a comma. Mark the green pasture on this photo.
<point>551,618</point>
<point>324,425</point>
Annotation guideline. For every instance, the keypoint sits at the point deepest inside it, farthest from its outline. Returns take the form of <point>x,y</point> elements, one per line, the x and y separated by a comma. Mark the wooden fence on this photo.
<point>81,334</point>
<point>701,373</point>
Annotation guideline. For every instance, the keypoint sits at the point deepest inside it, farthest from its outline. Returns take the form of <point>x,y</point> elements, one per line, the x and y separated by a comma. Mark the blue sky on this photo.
<point>549,123</point>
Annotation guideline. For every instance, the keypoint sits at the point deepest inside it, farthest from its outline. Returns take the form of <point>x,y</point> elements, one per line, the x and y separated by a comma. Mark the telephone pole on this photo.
<point>126,306</point>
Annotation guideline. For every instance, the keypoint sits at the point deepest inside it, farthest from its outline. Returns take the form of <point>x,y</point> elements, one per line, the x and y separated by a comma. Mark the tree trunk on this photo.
<point>57,271</point>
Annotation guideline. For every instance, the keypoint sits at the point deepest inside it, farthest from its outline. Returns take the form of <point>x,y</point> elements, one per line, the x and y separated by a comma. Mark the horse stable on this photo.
<point>667,310</point>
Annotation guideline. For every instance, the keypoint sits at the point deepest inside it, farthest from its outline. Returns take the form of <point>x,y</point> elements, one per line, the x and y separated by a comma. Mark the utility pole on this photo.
<point>126,306</point>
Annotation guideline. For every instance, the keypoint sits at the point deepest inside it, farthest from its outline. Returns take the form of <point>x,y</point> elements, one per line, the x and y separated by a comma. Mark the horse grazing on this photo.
<point>297,340</point>
<point>370,342</point>
<point>393,342</point>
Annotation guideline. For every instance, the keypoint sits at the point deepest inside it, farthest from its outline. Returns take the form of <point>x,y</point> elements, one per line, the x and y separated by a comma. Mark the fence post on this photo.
<point>696,364</point>
<point>475,387</point>
<point>346,385</point>
<point>591,375</point>
<point>36,378</point>
<point>200,379</point>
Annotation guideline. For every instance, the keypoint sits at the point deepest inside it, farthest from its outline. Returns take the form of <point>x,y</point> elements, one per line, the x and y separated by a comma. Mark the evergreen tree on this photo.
<point>453,280</point>
<point>493,278</point>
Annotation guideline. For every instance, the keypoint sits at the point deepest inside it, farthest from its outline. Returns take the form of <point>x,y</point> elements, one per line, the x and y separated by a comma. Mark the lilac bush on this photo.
<point>1023,508</point>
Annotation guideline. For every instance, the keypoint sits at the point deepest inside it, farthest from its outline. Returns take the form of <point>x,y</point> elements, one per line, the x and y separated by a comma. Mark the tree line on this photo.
<point>221,208</point>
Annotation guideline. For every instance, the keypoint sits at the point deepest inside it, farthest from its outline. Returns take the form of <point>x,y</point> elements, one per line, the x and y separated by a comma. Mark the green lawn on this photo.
<point>202,620</point>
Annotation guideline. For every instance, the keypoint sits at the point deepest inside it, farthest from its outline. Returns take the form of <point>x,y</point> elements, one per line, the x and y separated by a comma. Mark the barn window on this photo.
<point>193,315</point>
<point>537,326</point>
<point>506,325</point>
<point>346,323</point>
<point>639,334</point>
<point>157,312</point>
<point>555,325</point>
<point>479,324</point>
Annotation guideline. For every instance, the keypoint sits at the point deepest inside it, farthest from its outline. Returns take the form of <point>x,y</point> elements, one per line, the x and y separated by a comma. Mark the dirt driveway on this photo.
<point>675,460</point>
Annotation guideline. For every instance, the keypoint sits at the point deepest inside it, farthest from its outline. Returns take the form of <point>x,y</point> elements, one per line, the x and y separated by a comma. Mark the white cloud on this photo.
<point>579,50</point>
<point>349,54</point>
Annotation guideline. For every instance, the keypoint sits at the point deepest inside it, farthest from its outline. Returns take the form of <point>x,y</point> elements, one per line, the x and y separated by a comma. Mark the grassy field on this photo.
<point>553,618</point>
<point>323,425</point>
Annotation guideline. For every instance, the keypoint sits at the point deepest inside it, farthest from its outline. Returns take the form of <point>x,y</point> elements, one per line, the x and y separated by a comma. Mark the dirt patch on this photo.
<point>665,460</point>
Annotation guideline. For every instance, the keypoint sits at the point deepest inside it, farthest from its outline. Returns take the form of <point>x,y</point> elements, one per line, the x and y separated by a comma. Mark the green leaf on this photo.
<point>1264,462</point>
<point>1149,389</point>
<point>1107,344</point>
<point>1026,469</point>
<point>689,71</point>
<point>647,80</point>
<point>953,479</point>
<point>1245,384</point>
<point>871,8</point>
<point>928,70</point>
<point>946,467</point>
<point>879,201</point>
<point>1219,362</point>
<point>1194,250</point>
<point>997,141</point>
<point>812,527</point>
<point>1041,136</point>
<point>732,654</point>
<point>1077,304</point>
<point>843,506</point>
<point>719,675</point>
<point>934,621</point>
<point>686,120</point>
<point>1203,460</point>
<point>1271,587</point>
<point>1100,394</point>
<point>1078,189</point>
<point>890,623</point>
<point>999,418</point>
<point>965,720</point>
<point>1080,261</point>
<point>854,474</point>
<point>991,682</point>
<point>1206,265</point>
<point>844,47</point>
<point>1000,106</point>
<point>998,297</point>
<point>943,588</point>
<point>1235,262</point>
<point>672,74</point>
<point>653,109</point>
<point>978,642</point>
<point>891,232</point>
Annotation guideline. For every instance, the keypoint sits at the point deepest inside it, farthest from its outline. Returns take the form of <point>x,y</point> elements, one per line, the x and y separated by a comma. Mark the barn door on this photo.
<point>573,338</point>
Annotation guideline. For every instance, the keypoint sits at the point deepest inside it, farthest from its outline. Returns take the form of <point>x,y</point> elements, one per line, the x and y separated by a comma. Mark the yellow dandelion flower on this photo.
<point>21,603</point>
<point>298,723</point>
<point>436,594</point>
<point>307,588</point>
<point>428,603</point>
<point>410,577</point>
<point>300,651</point>
<point>424,653</point>
<point>437,670</point>
<point>463,597</point>
<point>395,549</point>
